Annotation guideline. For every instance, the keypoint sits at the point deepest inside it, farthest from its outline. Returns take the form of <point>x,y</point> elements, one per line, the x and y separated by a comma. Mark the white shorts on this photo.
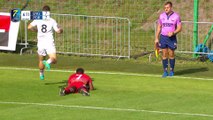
<point>44,51</point>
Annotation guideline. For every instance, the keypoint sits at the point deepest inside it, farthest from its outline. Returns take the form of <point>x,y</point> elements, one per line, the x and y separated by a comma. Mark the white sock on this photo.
<point>49,61</point>
<point>41,72</point>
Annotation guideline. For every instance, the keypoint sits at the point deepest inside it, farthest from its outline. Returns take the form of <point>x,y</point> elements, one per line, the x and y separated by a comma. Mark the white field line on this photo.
<point>105,108</point>
<point>109,109</point>
<point>111,73</point>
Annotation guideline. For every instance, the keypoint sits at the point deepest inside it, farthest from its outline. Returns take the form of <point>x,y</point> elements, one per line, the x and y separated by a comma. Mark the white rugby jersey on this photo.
<point>45,30</point>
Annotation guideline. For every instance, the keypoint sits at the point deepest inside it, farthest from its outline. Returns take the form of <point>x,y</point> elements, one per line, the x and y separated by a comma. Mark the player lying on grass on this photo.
<point>46,45</point>
<point>78,82</point>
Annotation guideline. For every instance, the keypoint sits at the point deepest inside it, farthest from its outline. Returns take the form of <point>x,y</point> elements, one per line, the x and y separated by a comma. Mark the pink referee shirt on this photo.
<point>168,23</point>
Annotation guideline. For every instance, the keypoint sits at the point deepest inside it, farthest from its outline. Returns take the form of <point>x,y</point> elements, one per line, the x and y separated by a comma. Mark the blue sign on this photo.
<point>36,15</point>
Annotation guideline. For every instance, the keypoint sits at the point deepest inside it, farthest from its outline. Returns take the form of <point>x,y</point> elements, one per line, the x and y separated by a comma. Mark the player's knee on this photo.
<point>54,60</point>
<point>171,57</point>
<point>164,56</point>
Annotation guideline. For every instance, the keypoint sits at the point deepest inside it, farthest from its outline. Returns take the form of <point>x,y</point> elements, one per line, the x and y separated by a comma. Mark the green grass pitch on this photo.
<point>117,97</point>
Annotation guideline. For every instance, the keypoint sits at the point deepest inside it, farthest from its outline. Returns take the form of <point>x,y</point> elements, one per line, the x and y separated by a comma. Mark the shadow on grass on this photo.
<point>191,70</point>
<point>62,84</point>
<point>63,81</point>
<point>54,83</point>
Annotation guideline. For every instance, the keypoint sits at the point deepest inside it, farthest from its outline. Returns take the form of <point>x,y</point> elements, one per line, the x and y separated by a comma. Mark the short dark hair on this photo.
<point>80,71</point>
<point>168,3</point>
<point>46,8</point>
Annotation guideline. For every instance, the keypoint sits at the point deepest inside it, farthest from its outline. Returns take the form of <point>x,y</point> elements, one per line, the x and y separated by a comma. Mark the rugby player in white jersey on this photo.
<point>46,45</point>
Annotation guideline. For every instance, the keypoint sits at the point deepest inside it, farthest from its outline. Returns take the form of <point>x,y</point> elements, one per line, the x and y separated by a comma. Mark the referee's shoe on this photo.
<point>165,74</point>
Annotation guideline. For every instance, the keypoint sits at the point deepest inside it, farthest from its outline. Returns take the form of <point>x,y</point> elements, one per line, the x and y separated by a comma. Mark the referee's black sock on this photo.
<point>165,64</point>
<point>172,64</point>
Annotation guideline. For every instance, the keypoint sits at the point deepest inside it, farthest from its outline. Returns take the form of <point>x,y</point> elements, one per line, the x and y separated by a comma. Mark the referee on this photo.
<point>169,25</point>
